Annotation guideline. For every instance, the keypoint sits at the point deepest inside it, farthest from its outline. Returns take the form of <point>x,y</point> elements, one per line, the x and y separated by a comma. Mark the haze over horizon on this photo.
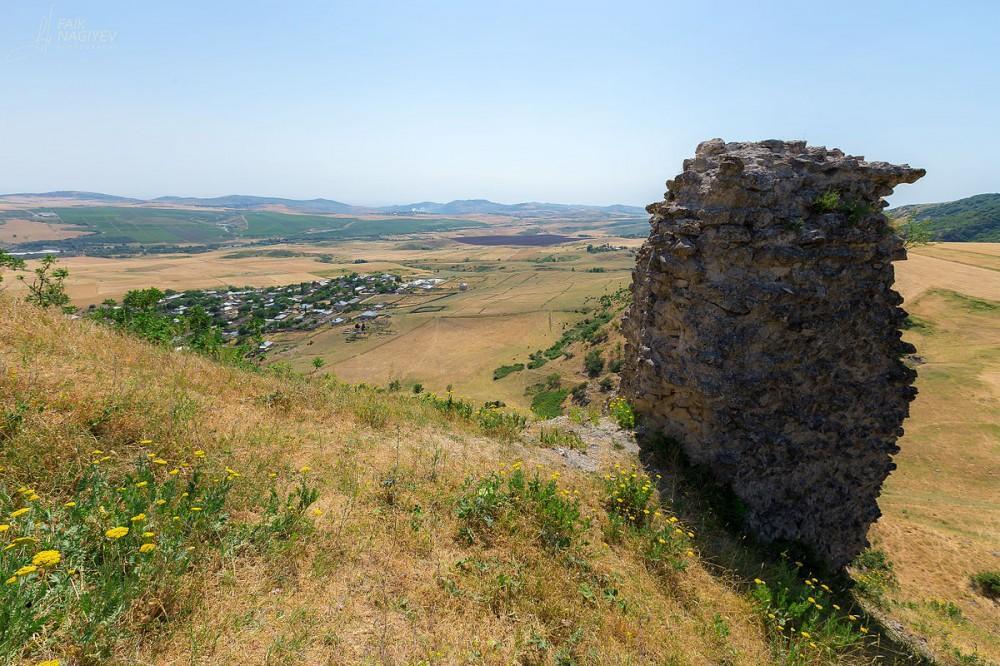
<point>391,103</point>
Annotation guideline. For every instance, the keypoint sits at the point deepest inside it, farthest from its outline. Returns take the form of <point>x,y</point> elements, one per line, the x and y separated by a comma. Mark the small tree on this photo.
<point>11,262</point>
<point>318,363</point>
<point>418,388</point>
<point>593,362</point>
<point>48,288</point>
<point>915,233</point>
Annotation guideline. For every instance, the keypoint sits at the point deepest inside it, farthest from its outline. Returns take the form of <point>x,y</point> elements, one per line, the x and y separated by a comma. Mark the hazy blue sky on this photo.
<point>375,102</point>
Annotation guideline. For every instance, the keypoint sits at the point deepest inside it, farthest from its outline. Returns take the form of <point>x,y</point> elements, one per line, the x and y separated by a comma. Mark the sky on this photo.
<point>374,102</point>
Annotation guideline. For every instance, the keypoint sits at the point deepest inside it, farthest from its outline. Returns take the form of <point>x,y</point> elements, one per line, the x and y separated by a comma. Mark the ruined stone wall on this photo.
<point>764,334</point>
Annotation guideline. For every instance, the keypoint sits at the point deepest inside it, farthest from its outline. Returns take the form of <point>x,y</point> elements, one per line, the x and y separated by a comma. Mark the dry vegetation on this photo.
<point>941,522</point>
<point>384,574</point>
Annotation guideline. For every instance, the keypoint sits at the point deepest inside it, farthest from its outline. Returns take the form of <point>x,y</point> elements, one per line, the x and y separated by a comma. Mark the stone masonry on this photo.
<point>764,334</point>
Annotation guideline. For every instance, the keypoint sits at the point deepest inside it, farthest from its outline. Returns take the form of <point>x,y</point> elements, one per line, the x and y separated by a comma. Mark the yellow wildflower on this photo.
<point>96,452</point>
<point>199,454</point>
<point>149,535</point>
<point>46,558</point>
<point>25,570</point>
<point>812,645</point>
<point>147,548</point>
<point>673,519</point>
<point>138,518</point>
<point>144,442</point>
<point>174,472</point>
<point>758,581</point>
<point>805,634</point>
<point>69,505</point>
<point>19,512</point>
<point>864,630</point>
<point>317,512</point>
<point>160,502</point>
<point>32,497</point>
<point>116,532</point>
<point>690,553</point>
<point>142,484</point>
<point>159,461</point>
<point>196,508</point>
<point>48,662</point>
<point>811,600</point>
<point>11,580</point>
<point>4,528</point>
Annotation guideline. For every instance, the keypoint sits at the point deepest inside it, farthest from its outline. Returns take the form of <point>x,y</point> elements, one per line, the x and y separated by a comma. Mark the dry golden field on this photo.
<point>941,507</point>
<point>24,230</point>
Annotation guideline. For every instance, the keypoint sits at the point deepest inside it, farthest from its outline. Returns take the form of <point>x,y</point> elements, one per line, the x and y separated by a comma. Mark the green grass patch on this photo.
<point>504,370</point>
<point>548,404</point>
<point>501,501</point>
<point>557,437</point>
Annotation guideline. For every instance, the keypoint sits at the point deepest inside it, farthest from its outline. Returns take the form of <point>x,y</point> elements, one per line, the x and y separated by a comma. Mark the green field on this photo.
<point>147,225</point>
<point>115,224</point>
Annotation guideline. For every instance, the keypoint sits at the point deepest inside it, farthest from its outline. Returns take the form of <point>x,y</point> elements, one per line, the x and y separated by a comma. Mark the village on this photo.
<point>347,301</point>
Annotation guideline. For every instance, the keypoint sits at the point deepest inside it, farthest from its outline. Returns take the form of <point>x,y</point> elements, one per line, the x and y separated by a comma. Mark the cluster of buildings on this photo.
<point>251,311</point>
<point>304,306</point>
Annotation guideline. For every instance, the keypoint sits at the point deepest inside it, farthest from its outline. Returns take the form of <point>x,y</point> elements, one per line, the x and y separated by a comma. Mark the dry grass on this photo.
<point>383,578</point>
<point>18,230</point>
<point>942,506</point>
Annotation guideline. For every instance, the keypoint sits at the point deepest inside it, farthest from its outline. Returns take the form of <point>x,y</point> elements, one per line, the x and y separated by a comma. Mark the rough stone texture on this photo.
<point>764,334</point>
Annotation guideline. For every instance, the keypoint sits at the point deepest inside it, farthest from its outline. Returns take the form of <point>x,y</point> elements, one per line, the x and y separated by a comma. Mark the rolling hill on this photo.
<point>329,206</point>
<point>974,218</point>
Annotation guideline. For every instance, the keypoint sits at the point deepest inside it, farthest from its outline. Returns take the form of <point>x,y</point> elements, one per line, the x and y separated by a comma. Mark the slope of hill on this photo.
<point>971,219</point>
<point>427,539</point>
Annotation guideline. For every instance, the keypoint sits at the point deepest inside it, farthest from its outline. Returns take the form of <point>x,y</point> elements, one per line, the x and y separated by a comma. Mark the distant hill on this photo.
<point>525,209</point>
<point>971,219</point>
<point>328,206</point>
<point>246,202</point>
<point>72,194</point>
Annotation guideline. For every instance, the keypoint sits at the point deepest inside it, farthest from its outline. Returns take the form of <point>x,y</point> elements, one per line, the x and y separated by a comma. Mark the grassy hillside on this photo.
<point>421,546</point>
<point>972,219</point>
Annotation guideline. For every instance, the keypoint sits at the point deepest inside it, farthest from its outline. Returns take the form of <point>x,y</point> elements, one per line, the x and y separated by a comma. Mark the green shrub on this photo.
<point>988,583</point>
<point>504,370</point>
<point>500,423</point>
<point>828,202</point>
<point>802,618</point>
<point>493,501</point>
<point>627,495</point>
<point>621,412</point>
<point>873,574</point>
<point>593,362</point>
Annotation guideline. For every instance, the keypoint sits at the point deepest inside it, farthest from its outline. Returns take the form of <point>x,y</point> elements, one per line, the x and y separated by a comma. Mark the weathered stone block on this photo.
<point>763,304</point>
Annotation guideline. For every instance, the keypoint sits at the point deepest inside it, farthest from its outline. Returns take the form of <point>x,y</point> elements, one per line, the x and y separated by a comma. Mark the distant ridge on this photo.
<point>73,194</point>
<point>975,218</point>
<point>329,206</point>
